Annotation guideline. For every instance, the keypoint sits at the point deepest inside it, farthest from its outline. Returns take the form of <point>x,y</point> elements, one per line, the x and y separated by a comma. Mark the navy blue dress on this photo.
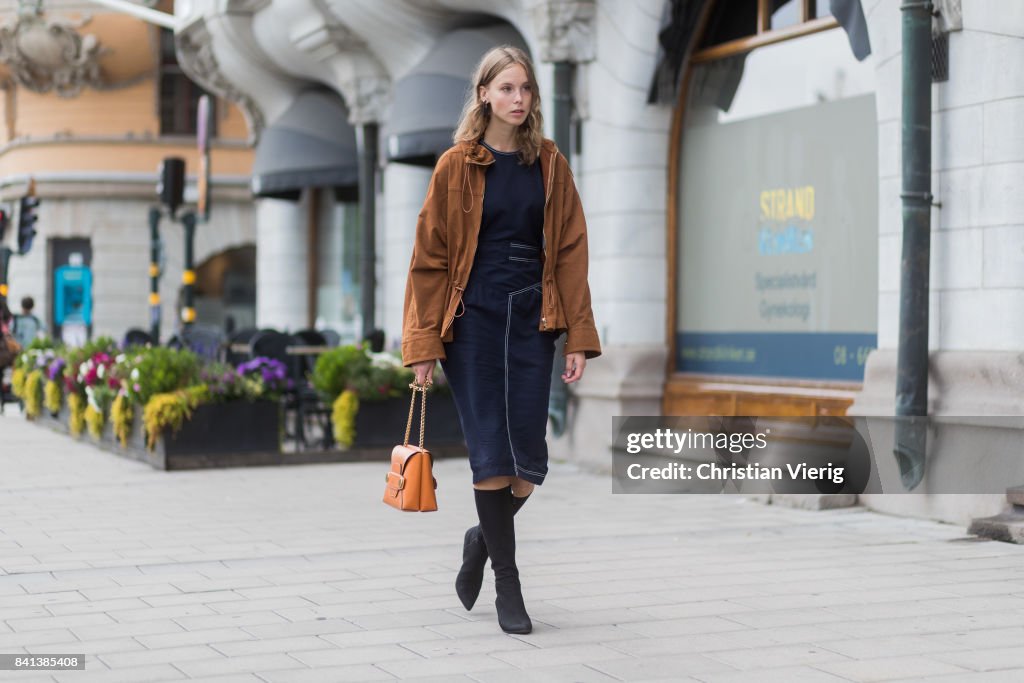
<point>499,362</point>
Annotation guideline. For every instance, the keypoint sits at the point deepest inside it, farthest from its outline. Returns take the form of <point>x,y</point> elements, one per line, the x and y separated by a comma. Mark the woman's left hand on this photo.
<point>574,364</point>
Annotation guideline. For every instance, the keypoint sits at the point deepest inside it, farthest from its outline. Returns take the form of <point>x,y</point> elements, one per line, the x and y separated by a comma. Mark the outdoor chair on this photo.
<point>331,337</point>
<point>205,341</point>
<point>235,339</point>
<point>310,411</point>
<point>136,337</point>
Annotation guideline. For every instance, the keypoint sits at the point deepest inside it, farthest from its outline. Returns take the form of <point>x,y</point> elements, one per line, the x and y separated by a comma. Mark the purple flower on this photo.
<point>56,368</point>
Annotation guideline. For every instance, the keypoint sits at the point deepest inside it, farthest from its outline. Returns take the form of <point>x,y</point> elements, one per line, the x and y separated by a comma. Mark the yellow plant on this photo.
<point>76,406</point>
<point>52,396</point>
<point>33,394</point>
<point>18,382</point>
<point>343,417</point>
<point>122,414</point>
<point>170,410</point>
<point>94,420</point>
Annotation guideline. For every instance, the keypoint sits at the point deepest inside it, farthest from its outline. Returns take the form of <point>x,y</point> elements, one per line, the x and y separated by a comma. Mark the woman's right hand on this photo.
<point>424,371</point>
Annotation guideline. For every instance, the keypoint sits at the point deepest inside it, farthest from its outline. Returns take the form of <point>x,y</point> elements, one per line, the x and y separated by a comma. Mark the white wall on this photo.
<point>977,264</point>
<point>281,263</point>
<point>405,187</point>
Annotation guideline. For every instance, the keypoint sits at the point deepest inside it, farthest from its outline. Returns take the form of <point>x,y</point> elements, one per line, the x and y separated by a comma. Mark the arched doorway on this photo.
<point>225,289</point>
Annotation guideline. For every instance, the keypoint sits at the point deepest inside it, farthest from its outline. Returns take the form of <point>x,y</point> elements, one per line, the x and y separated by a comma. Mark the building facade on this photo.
<point>93,100</point>
<point>739,163</point>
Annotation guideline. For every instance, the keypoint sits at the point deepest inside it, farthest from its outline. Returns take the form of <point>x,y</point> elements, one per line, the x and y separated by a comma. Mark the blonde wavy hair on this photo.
<point>474,119</point>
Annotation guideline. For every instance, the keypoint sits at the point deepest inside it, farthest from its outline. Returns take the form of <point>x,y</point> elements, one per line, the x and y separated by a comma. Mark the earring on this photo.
<point>487,107</point>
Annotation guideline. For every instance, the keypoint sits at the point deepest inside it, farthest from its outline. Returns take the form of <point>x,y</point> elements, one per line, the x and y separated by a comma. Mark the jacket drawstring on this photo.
<point>551,175</point>
<point>465,182</point>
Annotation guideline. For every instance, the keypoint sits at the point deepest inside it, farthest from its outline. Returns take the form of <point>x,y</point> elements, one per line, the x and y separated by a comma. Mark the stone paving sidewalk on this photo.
<point>301,574</point>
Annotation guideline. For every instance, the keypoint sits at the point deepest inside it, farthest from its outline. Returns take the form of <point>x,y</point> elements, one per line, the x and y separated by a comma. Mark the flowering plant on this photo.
<point>267,377</point>
<point>225,383</point>
<point>147,372</point>
<point>372,376</point>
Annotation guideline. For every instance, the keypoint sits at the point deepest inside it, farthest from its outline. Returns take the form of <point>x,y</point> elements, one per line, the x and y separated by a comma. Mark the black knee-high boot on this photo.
<point>474,560</point>
<point>495,511</point>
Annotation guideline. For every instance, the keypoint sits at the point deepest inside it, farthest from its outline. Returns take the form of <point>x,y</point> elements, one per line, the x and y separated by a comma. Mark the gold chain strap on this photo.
<point>412,408</point>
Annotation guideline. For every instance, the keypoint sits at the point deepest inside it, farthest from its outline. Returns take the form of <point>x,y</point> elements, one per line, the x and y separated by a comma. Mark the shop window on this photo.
<point>777,241</point>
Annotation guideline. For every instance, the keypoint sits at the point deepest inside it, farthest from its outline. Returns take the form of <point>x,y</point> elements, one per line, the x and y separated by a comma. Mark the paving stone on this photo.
<point>776,656</point>
<point>577,673</point>
<point>231,665</point>
<point>269,645</point>
<point>632,668</point>
<point>170,655</point>
<point>336,674</point>
<point>371,654</point>
<point>788,674</point>
<point>444,666</point>
<point>986,659</point>
<point>140,674</point>
<point>554,656</point>
<point>891,668</point>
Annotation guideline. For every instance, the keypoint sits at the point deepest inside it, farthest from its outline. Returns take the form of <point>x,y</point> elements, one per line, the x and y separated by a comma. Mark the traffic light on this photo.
<point>5,220</point>
<point>171,186</point>
<point>27,217</point>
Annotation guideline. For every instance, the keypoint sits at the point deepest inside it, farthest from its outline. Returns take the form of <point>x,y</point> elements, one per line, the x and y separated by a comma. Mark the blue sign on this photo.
<point>72,295</point>
<point>806,355</point>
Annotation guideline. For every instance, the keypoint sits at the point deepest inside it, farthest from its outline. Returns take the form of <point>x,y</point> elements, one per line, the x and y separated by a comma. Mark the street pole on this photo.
<point>154,274</point>
<point>366,150</point>
<point>5,262</point>
<point>188,276</point>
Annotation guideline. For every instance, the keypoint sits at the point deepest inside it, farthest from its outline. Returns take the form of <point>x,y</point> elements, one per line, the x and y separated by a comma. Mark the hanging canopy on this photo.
<point>428,101</point>
<point>311,145</point>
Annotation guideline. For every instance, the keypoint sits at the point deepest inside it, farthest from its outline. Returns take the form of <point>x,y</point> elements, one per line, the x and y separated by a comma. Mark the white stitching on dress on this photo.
<point>508,428</point>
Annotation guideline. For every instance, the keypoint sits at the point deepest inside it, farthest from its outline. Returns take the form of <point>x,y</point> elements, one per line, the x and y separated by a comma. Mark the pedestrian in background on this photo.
<point>26,325</point>
<point>498,271</point>
<point>9,346</point>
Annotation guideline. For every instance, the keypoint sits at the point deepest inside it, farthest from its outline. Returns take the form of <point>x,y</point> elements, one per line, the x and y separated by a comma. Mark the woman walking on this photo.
<point>498,271</point>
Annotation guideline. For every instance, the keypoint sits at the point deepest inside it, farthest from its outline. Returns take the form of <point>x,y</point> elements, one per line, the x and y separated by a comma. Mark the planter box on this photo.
<point>240,434</point>
<point>232,434</point>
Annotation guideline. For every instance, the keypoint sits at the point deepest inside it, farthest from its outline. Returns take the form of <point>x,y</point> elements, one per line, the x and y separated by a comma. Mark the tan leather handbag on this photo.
<point>410,483</point>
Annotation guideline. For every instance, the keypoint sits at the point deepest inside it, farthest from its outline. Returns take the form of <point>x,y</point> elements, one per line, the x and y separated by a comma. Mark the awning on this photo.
<point>311,145</point>
<point>428,100</point>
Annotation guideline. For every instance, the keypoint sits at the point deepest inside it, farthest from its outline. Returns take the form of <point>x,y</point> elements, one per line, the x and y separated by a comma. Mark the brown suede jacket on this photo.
<point>446,239</point>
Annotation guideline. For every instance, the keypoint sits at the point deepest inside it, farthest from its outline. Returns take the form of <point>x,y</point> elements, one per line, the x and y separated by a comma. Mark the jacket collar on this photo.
<point>475,153</point>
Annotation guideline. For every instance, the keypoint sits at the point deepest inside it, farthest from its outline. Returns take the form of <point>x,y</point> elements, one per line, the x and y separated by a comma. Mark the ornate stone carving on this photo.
<point>195,55</point>
<point>565,30</point>
<point>367,98</point>
<point>49,54</point>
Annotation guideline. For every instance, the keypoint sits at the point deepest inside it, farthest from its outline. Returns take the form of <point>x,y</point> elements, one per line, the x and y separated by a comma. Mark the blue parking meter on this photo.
<point>73,295</point>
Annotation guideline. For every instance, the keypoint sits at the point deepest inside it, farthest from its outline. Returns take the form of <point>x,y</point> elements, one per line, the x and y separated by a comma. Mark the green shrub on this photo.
<point>160,370</point>
<point>336,369</point>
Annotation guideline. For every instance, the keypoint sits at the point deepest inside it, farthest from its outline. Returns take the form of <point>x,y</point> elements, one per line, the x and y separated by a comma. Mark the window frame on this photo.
<point>765,35</point>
